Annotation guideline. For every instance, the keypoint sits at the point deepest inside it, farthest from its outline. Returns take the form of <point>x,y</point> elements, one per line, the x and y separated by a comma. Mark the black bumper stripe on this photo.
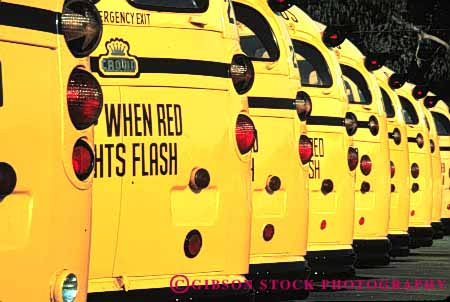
<point>271,103</point>
<point>363,124</point>
<point>29,17</point>
<point>325,121</point>
<point>411,140</point>
<point>444,148</point>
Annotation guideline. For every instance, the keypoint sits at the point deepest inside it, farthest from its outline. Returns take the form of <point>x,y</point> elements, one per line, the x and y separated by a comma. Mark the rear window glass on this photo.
<point>410,114</point>
<point>364,96</point>
<point>442,124</point>
<point>388,107</point>
<point>257,39</point>
<point>349,92</point>
<point>314,71</point>
<point>172,5</point>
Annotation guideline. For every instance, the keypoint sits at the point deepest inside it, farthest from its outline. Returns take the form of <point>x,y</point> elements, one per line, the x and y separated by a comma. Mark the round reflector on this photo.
<point>81,26</point>
<point>365,187</point>
<point>8,180</point>
<point>82,159</point>
<point>366,165</point>
<point>84,99</point>
<point>199,179</point>
<point>392,188</point>
<point>245,133</point>
<point>305,149</point>
<point>323,225</point>
<point>192,244</point>
<point>242,73</point>
<point>415,187</point>
<point>327,186</point>
<point>361,221</point>
<point>273,184</point>
<point>413,213</point>
<point>268,232</point>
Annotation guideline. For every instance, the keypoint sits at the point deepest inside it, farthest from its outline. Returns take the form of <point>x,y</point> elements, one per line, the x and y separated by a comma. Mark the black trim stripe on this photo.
<point>325,121</point>
<point>271,103</point>
<point>363,124</point>
<point>1,86</point>
<point>175,66</point>
<point>391,135</point>
<point>29,17</point>
<point>446,148</point>
<point>412,140</point>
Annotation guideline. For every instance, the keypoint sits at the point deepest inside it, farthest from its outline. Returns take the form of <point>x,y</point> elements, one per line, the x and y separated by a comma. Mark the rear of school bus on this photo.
<point>282,150</point>
<point>172,175</point>
<point>436,224</point>
<point>332,168</point>
<point>372,196</point>
<point>421,196</point>
<point>399,164</point>
<point>48,104</point>
<point>441,118</point>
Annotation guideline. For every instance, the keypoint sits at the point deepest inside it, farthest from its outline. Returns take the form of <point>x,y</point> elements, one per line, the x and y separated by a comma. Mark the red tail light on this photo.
<point>242,73</point>
<point>366,165</point>
<point>81,26</point>
<point>415,170</point>
<point>82,159</point>
<point>245,133</point>
<point>352,158</point>
<point>193,244</point>
<point>84,99</point>
<point>8,180</point>
<point>268,232</point>
<point>392,169</point>
<point>305,149</point>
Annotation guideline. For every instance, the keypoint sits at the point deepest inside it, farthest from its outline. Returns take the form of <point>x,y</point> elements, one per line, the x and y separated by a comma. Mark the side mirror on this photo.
<point>420,91</point>
<point>335,35</point>
<point>430,101</point>
<point>280,6</point>
<point>397,80</point>
<point>375,61</point>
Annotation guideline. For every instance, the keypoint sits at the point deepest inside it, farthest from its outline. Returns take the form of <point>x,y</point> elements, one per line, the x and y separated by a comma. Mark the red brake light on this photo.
<point>392,169</point>
<point>245,133</point>
<point>8,180</point>
<point>366,165</point>
<point>305,149</point>
<point>84,99</point>
<point>82,159</point>
<point>352,158</point>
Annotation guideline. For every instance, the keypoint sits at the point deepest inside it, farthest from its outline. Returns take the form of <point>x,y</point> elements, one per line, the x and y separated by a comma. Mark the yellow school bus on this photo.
<point>173,151</point>
<point>334,161</point>
<point>421,196</point>
<point>437,185</point>
<point>441,118</point>
<point>399,165</point>
<point>372,186</point>
<point>49,102</point>
<point>282,151</point>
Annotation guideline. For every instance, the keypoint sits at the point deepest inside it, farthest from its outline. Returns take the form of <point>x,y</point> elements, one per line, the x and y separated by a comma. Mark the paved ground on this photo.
<point>426,265</point>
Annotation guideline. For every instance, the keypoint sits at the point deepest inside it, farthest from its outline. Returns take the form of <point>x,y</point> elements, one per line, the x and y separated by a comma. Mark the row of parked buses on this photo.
<point>235,141</point>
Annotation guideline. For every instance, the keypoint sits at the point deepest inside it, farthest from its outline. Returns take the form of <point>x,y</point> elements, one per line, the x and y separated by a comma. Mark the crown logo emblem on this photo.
<point>117,62</point>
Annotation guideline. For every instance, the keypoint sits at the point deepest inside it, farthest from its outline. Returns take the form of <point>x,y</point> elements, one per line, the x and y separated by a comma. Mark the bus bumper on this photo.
<point>167,295</point>
<point>420,237</point>
<point>334,264</point>
<point>446,224</point>
<point>400,245</point>
<point>371,252</point>
<point>438,230</point>
<point>291,271</point>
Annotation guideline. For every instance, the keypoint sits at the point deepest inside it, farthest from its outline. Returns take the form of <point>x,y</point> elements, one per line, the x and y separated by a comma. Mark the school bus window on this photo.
<point>314,71</point>
<point>442,124</point>
<point>349,92</point>
<point>410,114</point>
<point>388,107</point>
<point>257,39</point>
<point>172,5</point>
<point>364,97</point>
